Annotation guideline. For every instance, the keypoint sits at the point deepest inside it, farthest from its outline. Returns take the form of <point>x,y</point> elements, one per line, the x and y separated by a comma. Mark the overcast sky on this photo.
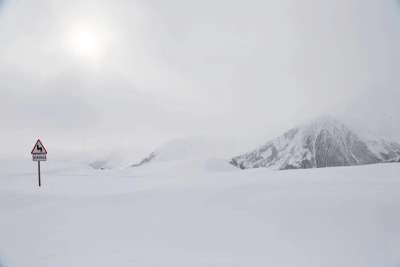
<point>98,76</point>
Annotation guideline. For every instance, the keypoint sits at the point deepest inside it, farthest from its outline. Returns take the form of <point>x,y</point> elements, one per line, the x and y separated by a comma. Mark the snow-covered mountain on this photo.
<point>325,142</point>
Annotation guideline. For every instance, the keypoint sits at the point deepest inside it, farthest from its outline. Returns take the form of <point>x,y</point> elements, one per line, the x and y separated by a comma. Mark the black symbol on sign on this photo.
<point>39,148</point>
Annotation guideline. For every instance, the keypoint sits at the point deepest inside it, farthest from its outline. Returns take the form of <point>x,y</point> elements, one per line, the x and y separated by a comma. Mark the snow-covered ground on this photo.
<point>198,213</point>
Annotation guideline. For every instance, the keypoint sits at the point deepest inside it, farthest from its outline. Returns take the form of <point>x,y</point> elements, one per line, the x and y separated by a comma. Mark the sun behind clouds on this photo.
<point>88,42</point>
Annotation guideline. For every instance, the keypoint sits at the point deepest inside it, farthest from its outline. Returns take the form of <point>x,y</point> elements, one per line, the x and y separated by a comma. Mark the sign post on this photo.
<point>39,153</point>
<point>38,164</point>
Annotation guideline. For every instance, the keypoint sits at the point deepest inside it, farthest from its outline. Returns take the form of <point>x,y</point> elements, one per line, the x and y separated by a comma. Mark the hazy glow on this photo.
<point>87,42</point>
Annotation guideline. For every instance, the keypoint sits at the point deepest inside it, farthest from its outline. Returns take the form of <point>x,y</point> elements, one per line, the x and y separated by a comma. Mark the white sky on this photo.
<point>98,76</point>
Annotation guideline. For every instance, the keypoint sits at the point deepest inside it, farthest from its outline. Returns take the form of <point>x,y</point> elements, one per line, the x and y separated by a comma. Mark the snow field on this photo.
<point>188,213</point>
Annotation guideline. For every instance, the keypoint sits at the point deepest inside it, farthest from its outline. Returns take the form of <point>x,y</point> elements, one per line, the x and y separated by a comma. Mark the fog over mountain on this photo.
<point>102,78</point>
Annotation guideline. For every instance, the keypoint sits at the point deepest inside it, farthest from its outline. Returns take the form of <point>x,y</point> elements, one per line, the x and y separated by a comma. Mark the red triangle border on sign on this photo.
<point>38,142</point>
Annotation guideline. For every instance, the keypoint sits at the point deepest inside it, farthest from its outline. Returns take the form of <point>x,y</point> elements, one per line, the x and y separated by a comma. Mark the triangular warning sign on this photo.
<point>39,148</point>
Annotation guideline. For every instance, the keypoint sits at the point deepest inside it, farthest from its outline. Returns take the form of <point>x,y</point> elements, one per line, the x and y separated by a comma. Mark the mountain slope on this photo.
<point>324,142</point>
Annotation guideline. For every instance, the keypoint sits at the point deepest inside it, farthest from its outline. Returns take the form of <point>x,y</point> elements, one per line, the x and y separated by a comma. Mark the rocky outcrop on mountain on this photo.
<point>145,160</point>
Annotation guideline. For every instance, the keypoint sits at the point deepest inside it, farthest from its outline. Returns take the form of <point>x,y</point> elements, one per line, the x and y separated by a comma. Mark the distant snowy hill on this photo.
<point>191,149</point>
<point>100,165</point>
<point>325,142</point>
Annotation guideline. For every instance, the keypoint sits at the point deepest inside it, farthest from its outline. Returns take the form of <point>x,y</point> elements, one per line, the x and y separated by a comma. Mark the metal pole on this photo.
<point>39,172</point>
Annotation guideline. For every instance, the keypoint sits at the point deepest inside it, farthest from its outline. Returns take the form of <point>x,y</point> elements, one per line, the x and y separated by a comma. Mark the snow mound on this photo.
<point>198,149</point>
<point>325,142</point>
